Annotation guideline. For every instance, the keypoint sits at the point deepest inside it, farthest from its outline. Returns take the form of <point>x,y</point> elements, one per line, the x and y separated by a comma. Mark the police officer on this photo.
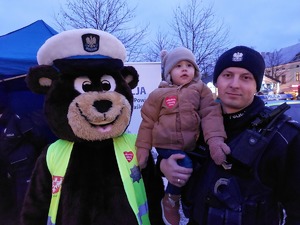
<point>20,144</point>
<point>267,190</point>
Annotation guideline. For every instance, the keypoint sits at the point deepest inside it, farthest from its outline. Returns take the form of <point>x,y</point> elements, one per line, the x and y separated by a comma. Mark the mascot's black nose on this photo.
<point>102,105</point>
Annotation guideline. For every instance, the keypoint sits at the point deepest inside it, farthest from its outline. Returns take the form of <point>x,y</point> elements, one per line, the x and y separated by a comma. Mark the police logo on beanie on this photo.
<point>237,57</point>
<point>243,57</point>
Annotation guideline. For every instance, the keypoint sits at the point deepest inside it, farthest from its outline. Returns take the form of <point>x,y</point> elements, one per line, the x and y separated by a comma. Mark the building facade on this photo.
<point>282,74</point>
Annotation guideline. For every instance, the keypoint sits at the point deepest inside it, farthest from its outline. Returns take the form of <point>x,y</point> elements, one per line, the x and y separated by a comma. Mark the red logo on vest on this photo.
<point>128,156</point>
<point>56,184</point>
<point>171,101</point>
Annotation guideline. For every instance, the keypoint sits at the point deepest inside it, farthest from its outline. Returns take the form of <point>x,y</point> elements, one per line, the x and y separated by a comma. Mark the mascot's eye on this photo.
<point>108,83</point>
<point>82,84</point>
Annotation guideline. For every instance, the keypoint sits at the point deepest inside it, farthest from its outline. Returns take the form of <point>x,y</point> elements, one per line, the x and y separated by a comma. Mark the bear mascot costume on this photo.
<point>90,175</point>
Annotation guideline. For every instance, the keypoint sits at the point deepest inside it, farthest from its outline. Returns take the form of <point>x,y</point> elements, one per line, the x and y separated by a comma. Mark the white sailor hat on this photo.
<point>81,44</point>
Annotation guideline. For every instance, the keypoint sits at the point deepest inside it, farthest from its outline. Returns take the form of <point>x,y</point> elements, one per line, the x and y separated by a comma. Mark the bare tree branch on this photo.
<point>162,41</point>
<point>198,30</point>
<point>195,27</point>
<point>274,64</point>
<point>113,16</point>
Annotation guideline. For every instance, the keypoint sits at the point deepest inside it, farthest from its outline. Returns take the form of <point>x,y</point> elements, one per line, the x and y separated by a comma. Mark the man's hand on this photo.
<point>175,174</point>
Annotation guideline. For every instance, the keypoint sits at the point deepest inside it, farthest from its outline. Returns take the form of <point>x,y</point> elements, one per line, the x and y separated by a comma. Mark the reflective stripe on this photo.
<point>125,152</point>
<point>58,156</point>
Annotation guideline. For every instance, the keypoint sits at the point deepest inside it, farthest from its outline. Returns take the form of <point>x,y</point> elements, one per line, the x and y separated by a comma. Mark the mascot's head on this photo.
<point>87,87</point>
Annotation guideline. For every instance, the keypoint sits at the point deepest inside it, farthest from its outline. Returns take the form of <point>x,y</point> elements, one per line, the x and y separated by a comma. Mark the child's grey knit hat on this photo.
<point>170,59</point>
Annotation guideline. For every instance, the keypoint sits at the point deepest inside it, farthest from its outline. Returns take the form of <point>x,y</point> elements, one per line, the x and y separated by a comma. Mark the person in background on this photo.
<point>171,118</point>
<point>261,185</point>
<point>20,144</point>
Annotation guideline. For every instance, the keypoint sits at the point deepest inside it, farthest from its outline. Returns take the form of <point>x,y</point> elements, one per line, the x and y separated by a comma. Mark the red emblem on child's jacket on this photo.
<point>56,184</point>
<point>128,156</point>
<point>171,101</point>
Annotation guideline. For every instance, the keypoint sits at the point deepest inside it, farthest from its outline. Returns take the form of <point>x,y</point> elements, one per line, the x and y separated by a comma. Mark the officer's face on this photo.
<point>236,89</point>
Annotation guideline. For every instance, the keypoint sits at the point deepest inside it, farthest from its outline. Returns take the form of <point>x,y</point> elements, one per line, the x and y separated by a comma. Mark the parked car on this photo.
<point>294,111</point>
<point>276,97</point>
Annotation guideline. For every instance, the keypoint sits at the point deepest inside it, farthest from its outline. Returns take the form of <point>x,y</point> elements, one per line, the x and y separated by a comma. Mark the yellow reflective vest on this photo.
<point>58,156</point>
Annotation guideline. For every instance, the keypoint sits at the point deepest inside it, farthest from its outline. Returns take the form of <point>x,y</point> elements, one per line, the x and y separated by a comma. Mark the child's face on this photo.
<point>183,72</point>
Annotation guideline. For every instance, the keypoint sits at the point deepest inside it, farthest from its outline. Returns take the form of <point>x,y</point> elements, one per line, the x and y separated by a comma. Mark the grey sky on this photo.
<point>265,25</point>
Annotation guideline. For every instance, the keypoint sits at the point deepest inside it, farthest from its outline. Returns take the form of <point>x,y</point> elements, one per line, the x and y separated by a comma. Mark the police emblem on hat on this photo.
<point>237,57</point>
<point>90,42</point>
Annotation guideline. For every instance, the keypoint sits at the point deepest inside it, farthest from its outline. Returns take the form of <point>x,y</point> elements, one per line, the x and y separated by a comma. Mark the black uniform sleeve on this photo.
<point>280,170</point>
<point>291,183</point>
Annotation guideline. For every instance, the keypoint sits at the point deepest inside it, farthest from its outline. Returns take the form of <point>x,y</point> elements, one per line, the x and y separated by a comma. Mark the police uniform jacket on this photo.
<point>256,199</point>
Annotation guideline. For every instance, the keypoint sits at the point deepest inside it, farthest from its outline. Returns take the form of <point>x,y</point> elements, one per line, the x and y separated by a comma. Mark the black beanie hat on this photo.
<point>244,57</point>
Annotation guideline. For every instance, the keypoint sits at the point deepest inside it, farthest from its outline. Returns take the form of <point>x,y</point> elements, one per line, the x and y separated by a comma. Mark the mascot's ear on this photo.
<point>40,78</point>
<point>130,75</point>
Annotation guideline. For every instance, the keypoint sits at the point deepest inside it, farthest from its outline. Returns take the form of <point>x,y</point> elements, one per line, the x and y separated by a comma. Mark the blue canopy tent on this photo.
<point>18,50</point>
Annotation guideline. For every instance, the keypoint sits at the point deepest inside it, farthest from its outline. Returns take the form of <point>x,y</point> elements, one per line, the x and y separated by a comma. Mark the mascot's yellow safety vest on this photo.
<point>58,156</point>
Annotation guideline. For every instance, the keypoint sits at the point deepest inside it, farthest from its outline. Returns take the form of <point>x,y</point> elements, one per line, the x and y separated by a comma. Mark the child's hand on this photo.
<point>218,149</point>
<point>142,157</point>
